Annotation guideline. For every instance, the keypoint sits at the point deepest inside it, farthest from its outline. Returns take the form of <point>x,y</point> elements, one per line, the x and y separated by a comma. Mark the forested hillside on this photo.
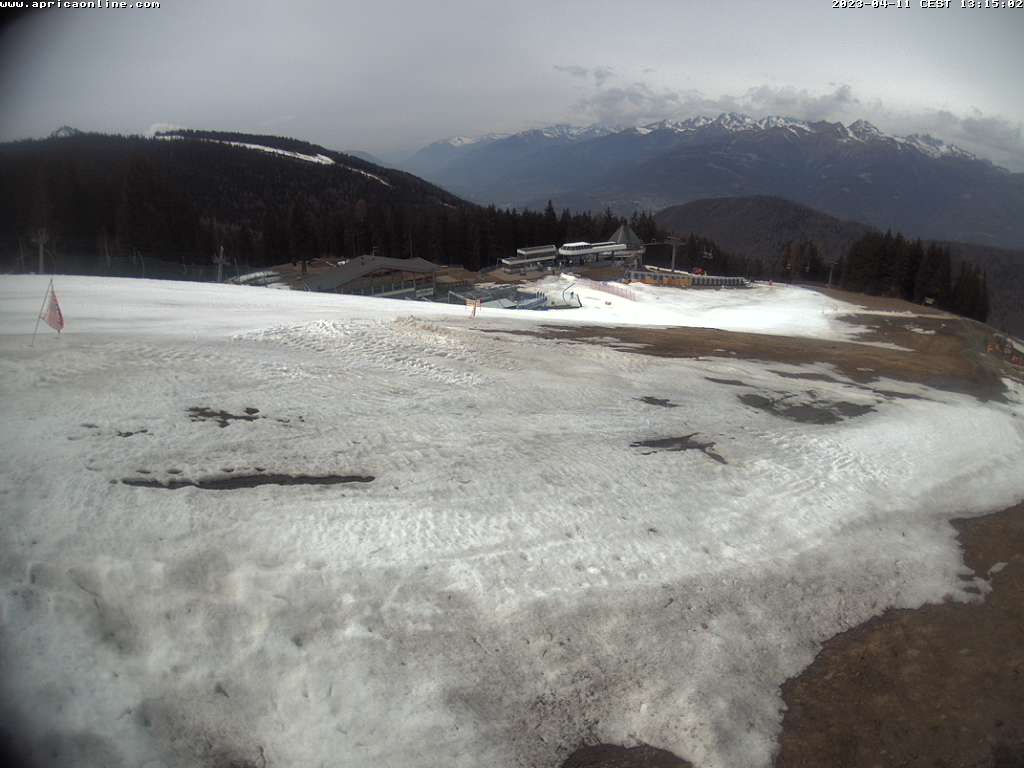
<point>891,265</point>
<point>111,204</point>
<point>769,233</point>
<point>762,226</point>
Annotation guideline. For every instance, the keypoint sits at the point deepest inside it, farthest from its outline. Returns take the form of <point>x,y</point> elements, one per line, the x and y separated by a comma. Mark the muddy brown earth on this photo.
<point>942,685</point>
<point>611,756</point>
<point>232,482</point>
<point>675,444</point>
<point>221,418</point>
<point>658,401</point>
<point>937,350</point>
<point>820,412</point>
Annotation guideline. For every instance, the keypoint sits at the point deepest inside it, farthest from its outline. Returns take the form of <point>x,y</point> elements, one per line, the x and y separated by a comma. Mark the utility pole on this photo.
<point>219,261</point>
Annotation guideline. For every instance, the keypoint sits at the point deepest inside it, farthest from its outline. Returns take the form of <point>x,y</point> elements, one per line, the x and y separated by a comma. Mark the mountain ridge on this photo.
<point>180,197</point>
<point>760,227</point>
<point>916,183</point>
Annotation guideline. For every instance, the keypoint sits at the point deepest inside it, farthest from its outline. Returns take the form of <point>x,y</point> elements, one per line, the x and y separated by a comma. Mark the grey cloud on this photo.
<point>640,99</point>
<point>328,75</point>
<point>277,121</point>
<point>573,69</point>
<point>993,131</point>
<point>993,137</point>
<point>632,103</point>
<point>600,74</point>
<point>989,136</point>
<point>799,103</point>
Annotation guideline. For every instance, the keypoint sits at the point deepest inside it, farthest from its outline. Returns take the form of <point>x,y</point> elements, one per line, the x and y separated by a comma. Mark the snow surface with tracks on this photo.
<point>773,309</point>
<point>517,579</point>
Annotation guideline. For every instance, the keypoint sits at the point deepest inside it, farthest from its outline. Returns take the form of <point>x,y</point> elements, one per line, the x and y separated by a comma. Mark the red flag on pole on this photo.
<point>51,314</point>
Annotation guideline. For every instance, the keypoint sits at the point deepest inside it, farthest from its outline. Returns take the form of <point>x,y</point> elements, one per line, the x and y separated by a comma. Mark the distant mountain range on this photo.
<point>761,227</point>
<point>916,183</point>
<point>472,163</point>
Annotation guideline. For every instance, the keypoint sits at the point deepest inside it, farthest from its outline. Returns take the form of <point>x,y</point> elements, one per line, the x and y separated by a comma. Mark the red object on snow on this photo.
<point>52,315</point>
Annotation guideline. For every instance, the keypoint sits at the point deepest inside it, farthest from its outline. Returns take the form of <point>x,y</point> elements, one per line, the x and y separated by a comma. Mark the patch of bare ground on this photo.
<point>879,303</point>
<point>818,412</point>
<point>611,756</point>
<point>941,351</point>
<point>232,482</point>
<point>658,401</point>
<point>677,444</point>
<point>942,685</point>
<point>222,418</point>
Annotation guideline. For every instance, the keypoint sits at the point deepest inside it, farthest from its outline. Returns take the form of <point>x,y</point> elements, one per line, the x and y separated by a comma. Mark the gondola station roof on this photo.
<point>626,236</point>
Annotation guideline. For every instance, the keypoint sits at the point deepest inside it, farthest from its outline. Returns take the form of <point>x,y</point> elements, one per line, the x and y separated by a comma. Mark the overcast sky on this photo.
<point>388,77</point>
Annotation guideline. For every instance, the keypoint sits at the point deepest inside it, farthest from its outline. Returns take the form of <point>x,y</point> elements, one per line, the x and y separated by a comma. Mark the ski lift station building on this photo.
<point>623,246</point>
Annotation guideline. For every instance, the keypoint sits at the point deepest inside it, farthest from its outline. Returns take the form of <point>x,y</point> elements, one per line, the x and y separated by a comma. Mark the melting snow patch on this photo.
<point>516,580</point>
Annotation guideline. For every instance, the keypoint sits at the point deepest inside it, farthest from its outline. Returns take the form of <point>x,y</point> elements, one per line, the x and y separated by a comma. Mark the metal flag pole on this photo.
<point>39,316</point>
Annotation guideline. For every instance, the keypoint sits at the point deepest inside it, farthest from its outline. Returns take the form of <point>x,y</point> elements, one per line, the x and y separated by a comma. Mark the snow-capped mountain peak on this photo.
<point>732,122</point>
<point>464,141</point>
<point>735,121</point>
<point>864,131</point>
<point>789,123</point>
<point>557,131</point>
<point>676,126</point>
<point>564,131</point>
<point>665,125</point>
<point>934,147</point>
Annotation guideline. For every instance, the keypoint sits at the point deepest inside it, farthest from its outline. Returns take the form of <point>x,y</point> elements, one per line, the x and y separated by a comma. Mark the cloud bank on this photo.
<point>615,102</point>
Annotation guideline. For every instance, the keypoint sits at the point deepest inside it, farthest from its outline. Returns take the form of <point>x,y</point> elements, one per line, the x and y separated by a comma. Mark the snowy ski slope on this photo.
<point>517,577</point>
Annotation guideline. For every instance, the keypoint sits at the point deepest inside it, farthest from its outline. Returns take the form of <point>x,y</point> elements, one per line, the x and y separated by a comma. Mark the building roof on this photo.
<point>529,260</point>
<point>625,234</point>
<point>536,250</point>
<point>353,269</point>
